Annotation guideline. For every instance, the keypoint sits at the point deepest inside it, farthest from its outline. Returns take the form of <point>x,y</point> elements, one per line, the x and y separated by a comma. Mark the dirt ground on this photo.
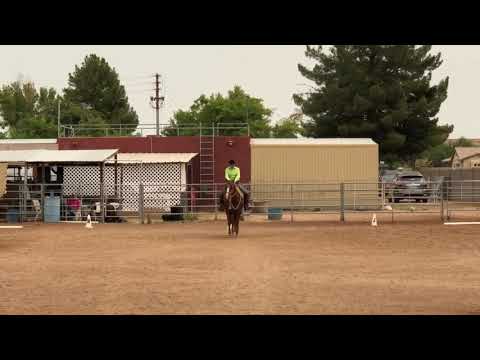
<point>271,268</point>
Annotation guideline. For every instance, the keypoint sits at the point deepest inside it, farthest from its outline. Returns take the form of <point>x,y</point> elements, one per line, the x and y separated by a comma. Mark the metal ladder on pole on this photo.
<point>207,157</point>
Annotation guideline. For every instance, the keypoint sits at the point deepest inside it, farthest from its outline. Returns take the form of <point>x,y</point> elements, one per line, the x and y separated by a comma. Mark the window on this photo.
<point>475,163</point>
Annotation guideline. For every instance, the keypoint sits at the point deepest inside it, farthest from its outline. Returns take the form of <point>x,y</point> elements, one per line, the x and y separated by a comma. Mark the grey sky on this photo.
<point>269,72</point>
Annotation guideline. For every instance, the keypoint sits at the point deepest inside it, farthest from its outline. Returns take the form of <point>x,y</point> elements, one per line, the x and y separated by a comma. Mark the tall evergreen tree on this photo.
<point>383,92</point>
<point>95,86</point>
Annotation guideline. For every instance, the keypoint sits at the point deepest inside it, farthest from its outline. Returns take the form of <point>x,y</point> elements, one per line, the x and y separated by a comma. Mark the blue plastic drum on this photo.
<point>275,213</point>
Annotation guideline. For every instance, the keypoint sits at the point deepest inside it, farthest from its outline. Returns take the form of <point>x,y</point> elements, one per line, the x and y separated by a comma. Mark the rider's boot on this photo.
<point>246,202</point>
<point>220,203</point>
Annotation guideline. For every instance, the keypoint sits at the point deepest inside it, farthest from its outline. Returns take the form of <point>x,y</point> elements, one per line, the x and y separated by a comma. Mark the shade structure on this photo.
<point>57,156</point>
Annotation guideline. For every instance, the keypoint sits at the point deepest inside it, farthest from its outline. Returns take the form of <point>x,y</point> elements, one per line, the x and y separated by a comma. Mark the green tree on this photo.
<point>86,121</point>
<point>234,110</point>
<point>436,154</point>
<point>290,127</point>
<point>464,142</point>
<point>26,113</point>
<point>95,86</point>
<point>378,91</point>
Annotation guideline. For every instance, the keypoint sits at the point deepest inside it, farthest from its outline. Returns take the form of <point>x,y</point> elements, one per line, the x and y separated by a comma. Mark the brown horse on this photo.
<point>233,204</point>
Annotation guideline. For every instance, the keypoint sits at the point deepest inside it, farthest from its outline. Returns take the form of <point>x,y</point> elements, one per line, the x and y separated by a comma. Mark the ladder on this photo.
<point>207,156</point>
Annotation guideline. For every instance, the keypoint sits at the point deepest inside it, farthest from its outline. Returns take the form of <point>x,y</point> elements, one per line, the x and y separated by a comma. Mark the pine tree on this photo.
<point>95,86</point>
<point>382,92</point>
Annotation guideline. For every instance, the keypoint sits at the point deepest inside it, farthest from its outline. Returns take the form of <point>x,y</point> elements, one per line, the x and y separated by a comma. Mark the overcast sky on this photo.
<point>269,72</point>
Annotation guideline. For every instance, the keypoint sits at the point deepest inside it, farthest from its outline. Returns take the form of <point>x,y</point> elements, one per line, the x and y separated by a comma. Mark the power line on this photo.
<point>138,83</point>
<point>135,78</point>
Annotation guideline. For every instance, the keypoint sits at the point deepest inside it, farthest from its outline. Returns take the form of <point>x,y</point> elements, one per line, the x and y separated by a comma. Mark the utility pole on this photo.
<point>157,98</point>
<point>58,120</point>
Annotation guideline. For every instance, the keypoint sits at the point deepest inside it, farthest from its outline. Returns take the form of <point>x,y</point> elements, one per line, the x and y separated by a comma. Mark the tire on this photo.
<point>397,200</point>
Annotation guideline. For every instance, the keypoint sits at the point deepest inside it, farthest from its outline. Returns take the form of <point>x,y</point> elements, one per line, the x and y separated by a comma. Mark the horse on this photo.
<point>233,205</point>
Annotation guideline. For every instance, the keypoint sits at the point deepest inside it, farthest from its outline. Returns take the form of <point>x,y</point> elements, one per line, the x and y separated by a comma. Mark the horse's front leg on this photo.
<point>236,225</point>
<point>229,223</point>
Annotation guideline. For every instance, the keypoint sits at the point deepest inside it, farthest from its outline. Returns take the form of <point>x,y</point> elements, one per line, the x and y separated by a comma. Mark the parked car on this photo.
<point>386,181</point>
<point>409,185</point>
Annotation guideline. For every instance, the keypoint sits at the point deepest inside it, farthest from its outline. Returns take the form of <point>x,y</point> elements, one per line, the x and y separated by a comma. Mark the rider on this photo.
<point>232,173</point>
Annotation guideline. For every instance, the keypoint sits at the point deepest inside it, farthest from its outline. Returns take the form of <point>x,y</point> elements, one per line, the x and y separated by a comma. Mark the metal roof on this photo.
<point>56,156</point>
<point>154,158</point>
<point>312,141</point>
<point>28,141</point>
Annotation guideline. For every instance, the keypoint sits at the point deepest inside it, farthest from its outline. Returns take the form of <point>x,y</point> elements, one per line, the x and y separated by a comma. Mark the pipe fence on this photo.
<point>152,202</point>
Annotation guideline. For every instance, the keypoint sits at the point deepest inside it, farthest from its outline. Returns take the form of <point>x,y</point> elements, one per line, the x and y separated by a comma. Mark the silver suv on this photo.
<point>409,185</point>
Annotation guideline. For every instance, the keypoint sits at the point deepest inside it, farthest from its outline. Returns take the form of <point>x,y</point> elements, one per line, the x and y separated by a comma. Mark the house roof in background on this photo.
<point>467,151</point>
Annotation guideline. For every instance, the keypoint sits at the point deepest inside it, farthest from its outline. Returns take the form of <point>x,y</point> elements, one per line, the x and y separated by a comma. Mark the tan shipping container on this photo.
<point>312,170</point>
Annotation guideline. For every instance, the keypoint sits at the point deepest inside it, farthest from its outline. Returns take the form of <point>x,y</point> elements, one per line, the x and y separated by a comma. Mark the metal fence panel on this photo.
<point>139,202</point>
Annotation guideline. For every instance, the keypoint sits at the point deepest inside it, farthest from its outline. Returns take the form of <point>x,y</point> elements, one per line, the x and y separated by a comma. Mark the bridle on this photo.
<point>229,198</point>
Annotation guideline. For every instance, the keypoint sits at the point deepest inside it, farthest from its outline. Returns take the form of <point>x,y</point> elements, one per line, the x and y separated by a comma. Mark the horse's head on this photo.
<point>230,187</point>
<point>231,193</point>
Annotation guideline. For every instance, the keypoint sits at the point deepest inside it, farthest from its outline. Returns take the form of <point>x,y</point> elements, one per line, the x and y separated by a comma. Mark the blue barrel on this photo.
<point>275,213</point>
<point>12,215</point>
<point>51,209</point>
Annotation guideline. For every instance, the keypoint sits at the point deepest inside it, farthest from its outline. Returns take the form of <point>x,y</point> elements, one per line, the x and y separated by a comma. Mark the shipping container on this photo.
<point>311,171</point>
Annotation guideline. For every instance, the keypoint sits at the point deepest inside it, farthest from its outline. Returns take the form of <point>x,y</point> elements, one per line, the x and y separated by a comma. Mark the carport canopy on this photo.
<point>154,158</point>
<point>57,156</point>
<point>42,158</point>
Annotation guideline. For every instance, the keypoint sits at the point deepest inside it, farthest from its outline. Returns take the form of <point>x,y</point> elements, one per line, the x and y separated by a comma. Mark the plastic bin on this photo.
<point>275,213</point>
<point>52,209</point>
<point>13,215</point>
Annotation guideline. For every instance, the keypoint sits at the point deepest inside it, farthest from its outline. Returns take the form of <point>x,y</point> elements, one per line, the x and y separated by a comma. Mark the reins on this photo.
<point>230,205</point>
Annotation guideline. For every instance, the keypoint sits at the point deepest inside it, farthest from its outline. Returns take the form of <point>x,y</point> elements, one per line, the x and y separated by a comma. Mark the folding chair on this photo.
<point>37,208</point>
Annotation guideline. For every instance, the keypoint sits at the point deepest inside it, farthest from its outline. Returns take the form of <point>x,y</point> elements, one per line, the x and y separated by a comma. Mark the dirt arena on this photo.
<point>272,268</point>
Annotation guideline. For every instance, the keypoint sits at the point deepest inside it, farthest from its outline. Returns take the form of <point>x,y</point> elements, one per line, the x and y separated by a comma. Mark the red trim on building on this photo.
<point>226,148</point>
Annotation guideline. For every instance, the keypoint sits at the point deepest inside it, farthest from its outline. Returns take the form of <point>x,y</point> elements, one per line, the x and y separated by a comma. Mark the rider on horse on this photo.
<point>232,174</point>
